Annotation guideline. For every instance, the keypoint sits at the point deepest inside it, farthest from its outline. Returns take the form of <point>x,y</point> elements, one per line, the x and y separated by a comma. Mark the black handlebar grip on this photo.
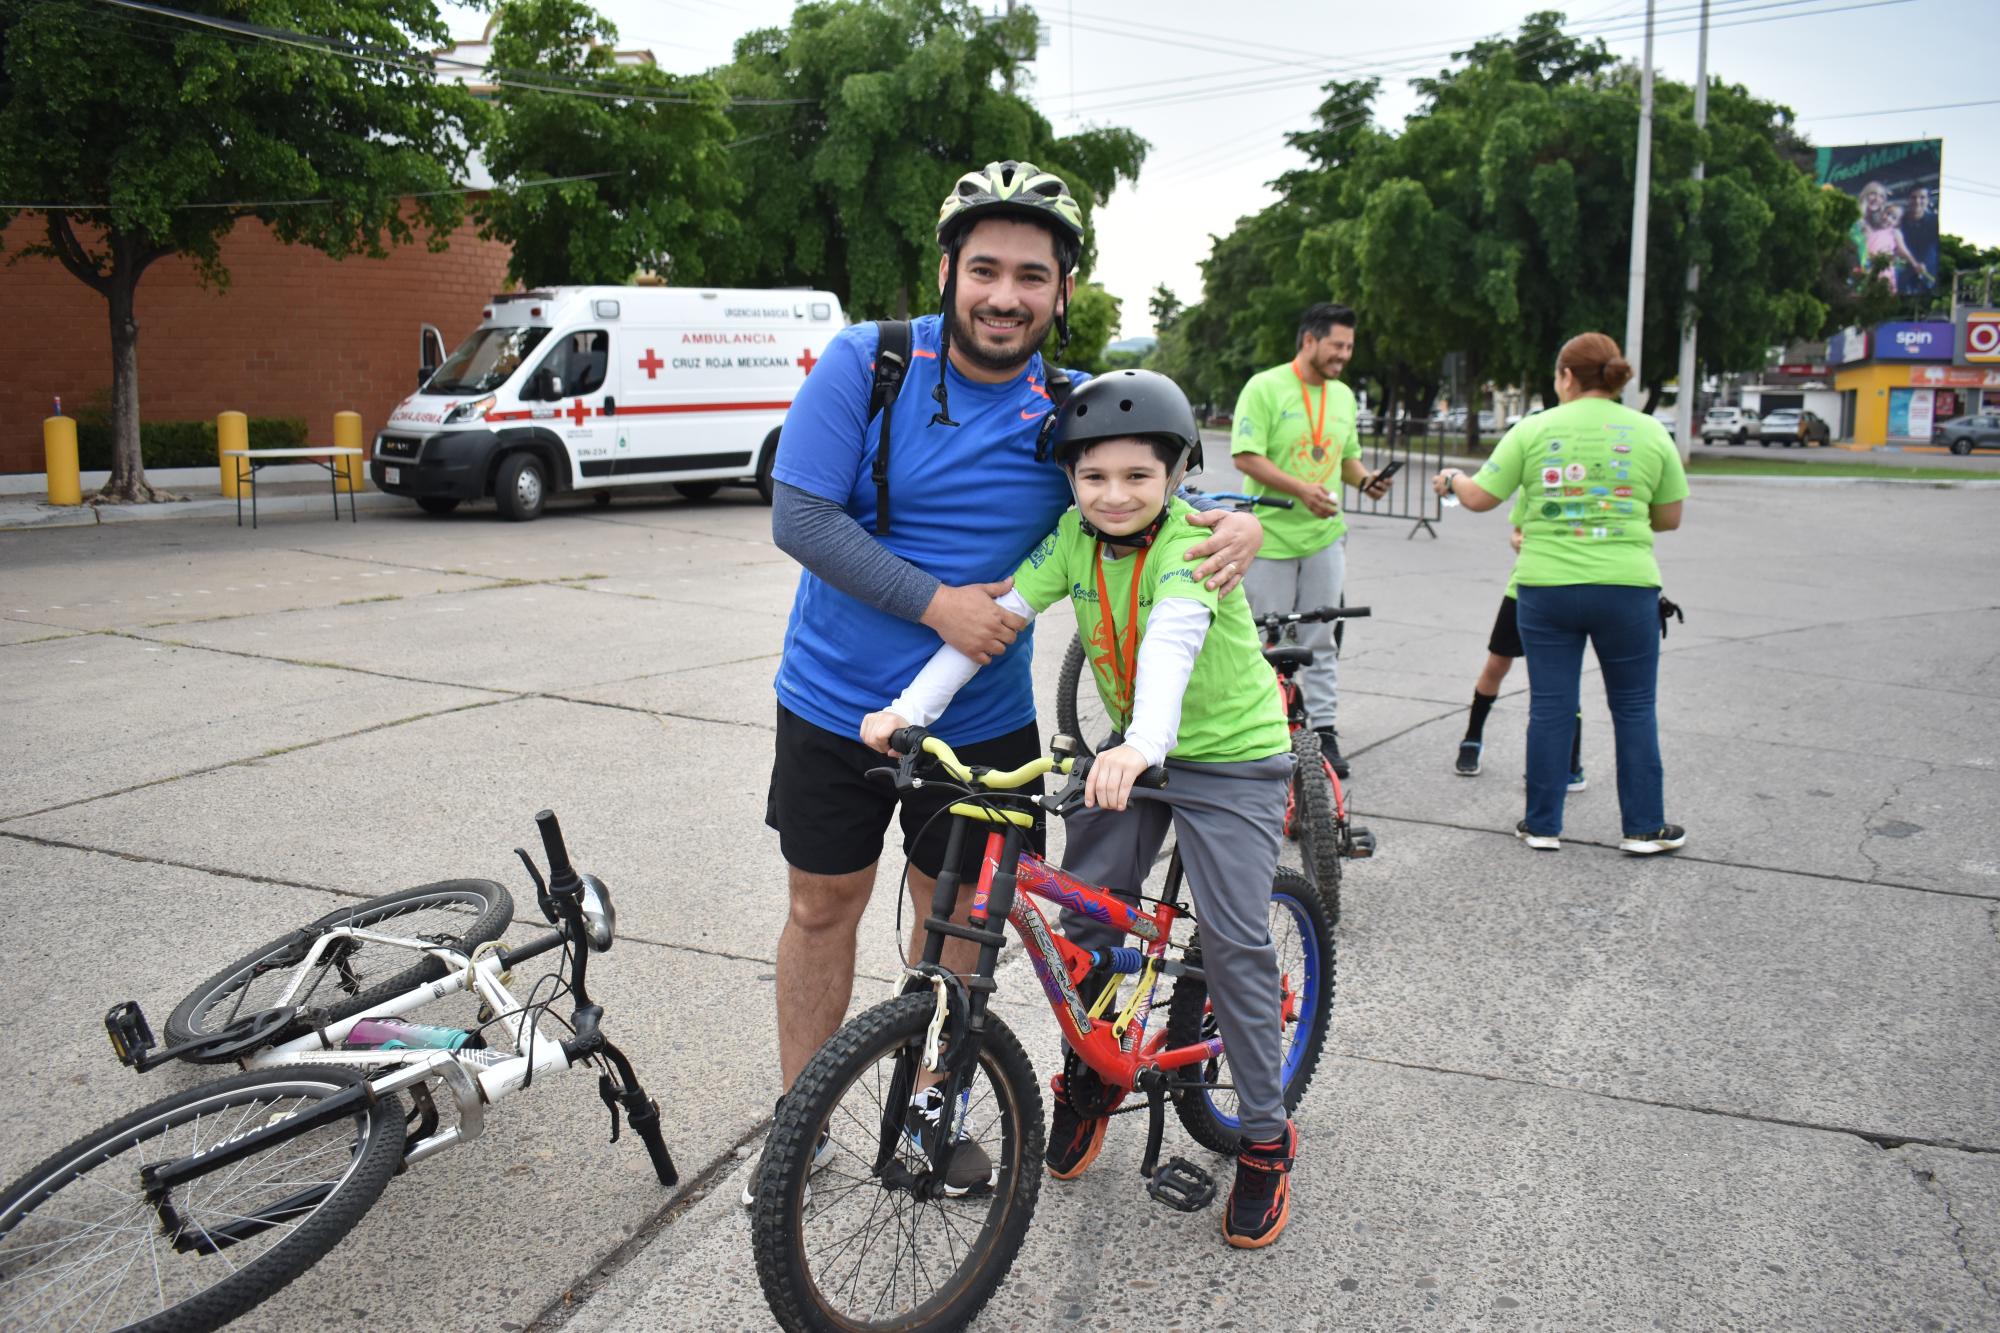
<point>1155,776</point>
<point>1276,501</point>
<point>560,871</point>
<point>907,740</point>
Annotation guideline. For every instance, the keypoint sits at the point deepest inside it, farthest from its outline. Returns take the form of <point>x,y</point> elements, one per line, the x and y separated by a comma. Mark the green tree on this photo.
<point>895,99</point>
<point>1093,322</point>
<point>1164,306</point>
<point>156,138</point>
<point>670,201</point>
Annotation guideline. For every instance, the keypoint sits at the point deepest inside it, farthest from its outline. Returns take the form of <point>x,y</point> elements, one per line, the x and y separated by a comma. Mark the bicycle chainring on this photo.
<point>1088,1095</point>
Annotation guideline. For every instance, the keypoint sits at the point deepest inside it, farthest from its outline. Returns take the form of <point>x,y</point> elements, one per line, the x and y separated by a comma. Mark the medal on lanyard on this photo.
<point>1124,654</point>
<point>1316,424</point>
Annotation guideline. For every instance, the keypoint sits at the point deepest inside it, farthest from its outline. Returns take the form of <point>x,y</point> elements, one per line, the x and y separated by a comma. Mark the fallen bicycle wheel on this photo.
<point>83,1246</point>
<point>845,1240</point>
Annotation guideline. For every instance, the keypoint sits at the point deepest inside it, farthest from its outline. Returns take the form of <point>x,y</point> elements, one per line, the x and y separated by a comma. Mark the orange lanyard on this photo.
<point>1122,650</point>
<point>1316,424</point>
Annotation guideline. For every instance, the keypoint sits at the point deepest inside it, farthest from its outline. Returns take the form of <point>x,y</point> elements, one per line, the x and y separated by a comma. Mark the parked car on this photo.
<point>1964,434</point>
<point>1731,424</point>
<point>1791,426</point>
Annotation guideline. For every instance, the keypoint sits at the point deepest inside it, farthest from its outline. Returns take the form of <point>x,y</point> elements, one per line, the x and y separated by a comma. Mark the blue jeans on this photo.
<point>1623,625</point>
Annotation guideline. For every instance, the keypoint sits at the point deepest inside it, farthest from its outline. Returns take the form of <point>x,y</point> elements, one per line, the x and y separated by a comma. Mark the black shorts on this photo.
<point>831,816</point>
<point>1506,639</point>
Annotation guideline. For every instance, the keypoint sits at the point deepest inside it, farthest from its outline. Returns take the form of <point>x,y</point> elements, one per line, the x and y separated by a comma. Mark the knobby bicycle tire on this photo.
<point>1314,818</point>
<point>41,1275</point>
<point>1079,711</point>
<point>470,911</point>
<point>790,1186</point>
<point>1189,1019</point>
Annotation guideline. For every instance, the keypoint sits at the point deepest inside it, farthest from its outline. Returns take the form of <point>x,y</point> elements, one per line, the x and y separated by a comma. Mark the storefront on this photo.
<point>1895,382</point>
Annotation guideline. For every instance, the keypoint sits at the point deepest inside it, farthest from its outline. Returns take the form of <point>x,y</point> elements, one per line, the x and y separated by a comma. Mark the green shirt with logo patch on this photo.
<point>1585,476</point>
<point>1271,420</point>
<point>1230,711</point>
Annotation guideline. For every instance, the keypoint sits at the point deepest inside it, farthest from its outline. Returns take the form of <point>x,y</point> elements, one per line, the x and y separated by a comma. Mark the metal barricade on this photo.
<point>1410,496</point>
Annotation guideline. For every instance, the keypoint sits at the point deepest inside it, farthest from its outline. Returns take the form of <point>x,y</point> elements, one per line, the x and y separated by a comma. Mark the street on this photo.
<point>1755,1085</point>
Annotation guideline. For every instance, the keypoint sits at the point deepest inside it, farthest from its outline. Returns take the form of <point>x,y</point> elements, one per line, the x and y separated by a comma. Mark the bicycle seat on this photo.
<point>1288,657</point>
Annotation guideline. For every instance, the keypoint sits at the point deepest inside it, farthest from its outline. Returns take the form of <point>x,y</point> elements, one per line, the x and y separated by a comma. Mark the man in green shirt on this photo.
<point>1293,435</point>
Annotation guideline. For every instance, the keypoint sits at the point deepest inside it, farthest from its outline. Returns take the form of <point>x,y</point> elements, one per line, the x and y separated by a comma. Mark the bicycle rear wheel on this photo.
<point>843,1246</point>
<point>351,975</point>
<point>1079,710</point>
<point>1302,929</point>
<point>81,1246</point>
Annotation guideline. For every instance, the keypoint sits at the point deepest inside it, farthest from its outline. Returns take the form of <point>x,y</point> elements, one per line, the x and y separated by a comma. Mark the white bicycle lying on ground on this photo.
<point>191,1211</point>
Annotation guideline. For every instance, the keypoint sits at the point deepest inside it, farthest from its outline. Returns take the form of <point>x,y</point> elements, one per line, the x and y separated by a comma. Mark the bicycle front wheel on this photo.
<point>1316,818</point>
<point>1079,710</point>
<point>841,1245</point>
<point>82,1247</point>
<point>1302,930</point>
<point>352,975</point>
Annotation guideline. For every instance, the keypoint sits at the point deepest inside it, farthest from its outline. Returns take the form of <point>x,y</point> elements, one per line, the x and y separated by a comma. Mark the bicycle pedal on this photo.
<point>1360,843</point>
<point>131,1036</point>
<point>1182,1186</point>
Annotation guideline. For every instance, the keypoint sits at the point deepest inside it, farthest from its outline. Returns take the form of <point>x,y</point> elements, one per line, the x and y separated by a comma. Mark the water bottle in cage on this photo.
<point>393,1034</point>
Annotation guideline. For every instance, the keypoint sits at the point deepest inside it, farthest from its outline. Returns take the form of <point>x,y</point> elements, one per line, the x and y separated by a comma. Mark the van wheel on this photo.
<point>437,504</point>
<point>766,460</point>
<point>697,490</point>
<point>521,487</point>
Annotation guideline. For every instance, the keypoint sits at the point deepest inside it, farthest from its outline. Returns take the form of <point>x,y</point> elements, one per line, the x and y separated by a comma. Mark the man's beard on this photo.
<point>966,340</point>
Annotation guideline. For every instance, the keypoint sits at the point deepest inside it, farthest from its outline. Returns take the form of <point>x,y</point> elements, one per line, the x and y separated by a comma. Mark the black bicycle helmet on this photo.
<point>1004,189</point>
<point>1122,404</point>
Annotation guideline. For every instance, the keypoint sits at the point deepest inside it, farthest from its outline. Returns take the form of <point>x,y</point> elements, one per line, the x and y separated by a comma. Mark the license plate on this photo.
<point>392,475</point>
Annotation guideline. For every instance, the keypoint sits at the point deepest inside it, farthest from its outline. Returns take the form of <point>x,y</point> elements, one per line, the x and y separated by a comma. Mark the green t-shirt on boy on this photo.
<point>1307,433</point>
<point>1230,712</point>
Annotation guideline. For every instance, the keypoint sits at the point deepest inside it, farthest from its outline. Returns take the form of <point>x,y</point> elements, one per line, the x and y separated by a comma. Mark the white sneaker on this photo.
<point>1667,838</point>
<point>1541,842</point>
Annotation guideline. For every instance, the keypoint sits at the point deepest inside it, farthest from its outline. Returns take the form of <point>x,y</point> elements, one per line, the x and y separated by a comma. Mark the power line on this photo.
<point>428,66</point>
<point>297,203</point>
<point>1903,110</point>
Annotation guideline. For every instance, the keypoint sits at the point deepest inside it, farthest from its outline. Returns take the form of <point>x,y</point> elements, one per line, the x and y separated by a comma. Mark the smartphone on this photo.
<point>1395,466</point>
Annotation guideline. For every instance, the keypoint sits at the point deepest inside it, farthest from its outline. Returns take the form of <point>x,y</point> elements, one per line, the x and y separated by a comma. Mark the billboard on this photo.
<point>1921,340</point>
<point>1979,337</point>
<point>1896,185</point>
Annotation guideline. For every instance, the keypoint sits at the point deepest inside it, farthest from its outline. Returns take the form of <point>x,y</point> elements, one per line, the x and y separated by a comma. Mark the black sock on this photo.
<point>1576,746</point>
<point>1482,704</point>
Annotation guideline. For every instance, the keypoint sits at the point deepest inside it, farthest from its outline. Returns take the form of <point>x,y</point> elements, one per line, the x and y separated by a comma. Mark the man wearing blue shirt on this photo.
<point>969,498</point>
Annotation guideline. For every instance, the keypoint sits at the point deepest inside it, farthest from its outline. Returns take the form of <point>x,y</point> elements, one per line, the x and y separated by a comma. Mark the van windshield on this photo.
<point>485,360</point>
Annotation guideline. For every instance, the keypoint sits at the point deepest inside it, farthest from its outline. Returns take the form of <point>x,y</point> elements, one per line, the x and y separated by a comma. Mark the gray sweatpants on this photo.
<point>1227,820</point>
<point>1308,583</point>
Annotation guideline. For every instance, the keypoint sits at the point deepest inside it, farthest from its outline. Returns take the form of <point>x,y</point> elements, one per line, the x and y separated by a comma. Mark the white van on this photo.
<point>601,388</point>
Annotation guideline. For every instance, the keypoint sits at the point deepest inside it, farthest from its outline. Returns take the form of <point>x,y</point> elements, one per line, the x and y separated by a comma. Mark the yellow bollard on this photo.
<point>347,435</point>
<point>59,457</point>
<point>232,431</point>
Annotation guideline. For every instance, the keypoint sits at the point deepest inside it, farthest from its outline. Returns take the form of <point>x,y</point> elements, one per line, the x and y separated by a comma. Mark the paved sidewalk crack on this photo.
<point>1876,1138</point>
<point>1929,1183</point>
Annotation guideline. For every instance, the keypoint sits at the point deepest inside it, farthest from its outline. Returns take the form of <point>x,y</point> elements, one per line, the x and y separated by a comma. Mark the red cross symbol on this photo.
<point>578,413</point>
<point>650,364</point>
<point>808,360</point>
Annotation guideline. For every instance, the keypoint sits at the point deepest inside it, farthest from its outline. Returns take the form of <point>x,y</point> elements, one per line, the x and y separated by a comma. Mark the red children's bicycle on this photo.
<point>858,1223</point>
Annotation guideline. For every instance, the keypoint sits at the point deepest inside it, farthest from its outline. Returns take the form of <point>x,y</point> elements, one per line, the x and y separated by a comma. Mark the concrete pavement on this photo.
<point>1753,1086</point>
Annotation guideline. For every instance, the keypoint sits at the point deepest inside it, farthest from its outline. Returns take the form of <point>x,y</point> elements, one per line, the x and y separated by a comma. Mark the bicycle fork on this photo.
<point>958,1026</point>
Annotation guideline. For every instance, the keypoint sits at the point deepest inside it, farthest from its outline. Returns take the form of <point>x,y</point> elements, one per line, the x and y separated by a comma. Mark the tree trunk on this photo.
<point>1652,399</point>
<point>127,483</point>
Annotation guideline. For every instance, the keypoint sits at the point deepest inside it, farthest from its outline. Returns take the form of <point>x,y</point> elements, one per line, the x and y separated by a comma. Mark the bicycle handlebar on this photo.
<point>1269,501</point>
<point>1325,613</point>
<point>562,876</point>
<point>911,742</point>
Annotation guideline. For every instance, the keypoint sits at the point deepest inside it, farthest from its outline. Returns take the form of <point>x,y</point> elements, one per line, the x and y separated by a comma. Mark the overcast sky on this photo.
<point>1216,87</point>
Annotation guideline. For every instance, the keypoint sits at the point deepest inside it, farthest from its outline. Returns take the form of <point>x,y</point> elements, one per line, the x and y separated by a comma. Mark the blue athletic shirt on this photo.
<point>966,505</point>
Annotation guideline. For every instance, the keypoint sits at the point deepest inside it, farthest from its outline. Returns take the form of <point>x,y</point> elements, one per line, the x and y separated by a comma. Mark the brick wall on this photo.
<point>295,334</point>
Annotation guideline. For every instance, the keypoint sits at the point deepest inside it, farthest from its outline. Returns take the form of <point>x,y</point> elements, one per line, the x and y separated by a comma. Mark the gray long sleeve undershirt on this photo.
<point>827,540</point>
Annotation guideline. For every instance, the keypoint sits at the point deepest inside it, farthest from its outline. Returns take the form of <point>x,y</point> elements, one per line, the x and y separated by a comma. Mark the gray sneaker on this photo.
<point>970,1166</point>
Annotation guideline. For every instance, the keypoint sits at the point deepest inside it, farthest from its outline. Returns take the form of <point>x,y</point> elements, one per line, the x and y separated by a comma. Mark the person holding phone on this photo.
<point>1593,481</point>
<point>1294,436</point>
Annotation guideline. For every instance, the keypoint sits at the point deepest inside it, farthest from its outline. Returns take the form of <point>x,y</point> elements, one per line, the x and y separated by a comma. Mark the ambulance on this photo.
<point>606,389</point>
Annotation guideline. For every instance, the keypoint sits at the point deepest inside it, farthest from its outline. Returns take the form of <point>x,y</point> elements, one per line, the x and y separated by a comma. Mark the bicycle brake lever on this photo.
<point>608,1092</point>
<point>542,898</point>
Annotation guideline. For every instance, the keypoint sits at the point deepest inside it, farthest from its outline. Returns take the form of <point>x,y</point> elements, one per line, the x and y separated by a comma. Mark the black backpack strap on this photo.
<point>892,361</point>
<point>1059,387</point>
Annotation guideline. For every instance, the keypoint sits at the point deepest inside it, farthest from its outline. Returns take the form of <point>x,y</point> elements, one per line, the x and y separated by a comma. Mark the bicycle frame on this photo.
<point>473,1083</point>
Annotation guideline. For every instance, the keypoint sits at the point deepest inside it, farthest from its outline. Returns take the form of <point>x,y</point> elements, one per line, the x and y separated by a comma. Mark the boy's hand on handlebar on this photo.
<point>877,728</point>
<point>971,620</point>
<point>1109,786</point>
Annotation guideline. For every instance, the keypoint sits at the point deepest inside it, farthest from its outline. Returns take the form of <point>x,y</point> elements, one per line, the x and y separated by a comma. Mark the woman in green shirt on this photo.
<point>1592,482</point>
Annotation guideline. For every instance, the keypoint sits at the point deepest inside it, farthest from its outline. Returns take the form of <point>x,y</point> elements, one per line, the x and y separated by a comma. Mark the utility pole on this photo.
<point>1688,378</point>
<point>1642,187</point>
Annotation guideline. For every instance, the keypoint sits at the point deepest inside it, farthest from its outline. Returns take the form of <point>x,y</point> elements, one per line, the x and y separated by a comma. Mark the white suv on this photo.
<point>1732,424</point>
